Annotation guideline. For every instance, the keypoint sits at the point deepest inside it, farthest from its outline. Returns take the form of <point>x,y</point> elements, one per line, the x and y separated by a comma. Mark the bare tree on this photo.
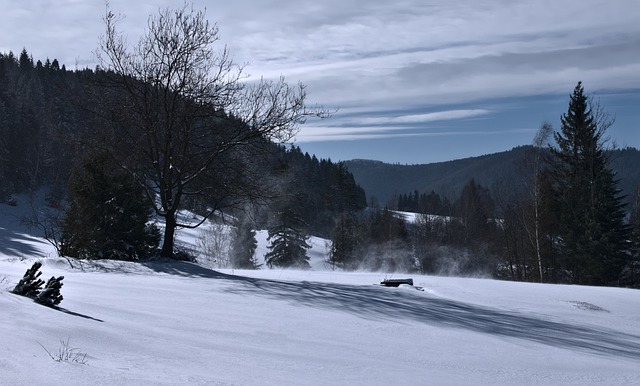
<point>539,141</point>
<point>213,245</point>
<point>187,122</point>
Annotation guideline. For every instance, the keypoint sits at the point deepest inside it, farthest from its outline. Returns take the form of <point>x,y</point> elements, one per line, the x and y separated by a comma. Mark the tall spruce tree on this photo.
<point>289,245</point>
<point>593,236</point>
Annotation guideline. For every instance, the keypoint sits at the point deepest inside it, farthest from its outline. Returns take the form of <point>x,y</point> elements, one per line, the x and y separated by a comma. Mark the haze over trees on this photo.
<point>243,245</point>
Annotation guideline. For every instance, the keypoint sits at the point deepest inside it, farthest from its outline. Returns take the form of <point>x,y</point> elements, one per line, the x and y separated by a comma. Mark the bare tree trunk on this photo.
<point>169,235</point>
<point>537,231</point>
<point>541,137</point>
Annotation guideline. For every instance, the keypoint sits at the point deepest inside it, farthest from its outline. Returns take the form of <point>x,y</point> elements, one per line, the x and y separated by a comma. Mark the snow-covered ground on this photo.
<point>181,324</point>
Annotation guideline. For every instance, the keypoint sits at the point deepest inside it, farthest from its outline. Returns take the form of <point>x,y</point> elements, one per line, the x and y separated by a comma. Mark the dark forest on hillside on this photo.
<point>49,128</point>
<point>386,183</point>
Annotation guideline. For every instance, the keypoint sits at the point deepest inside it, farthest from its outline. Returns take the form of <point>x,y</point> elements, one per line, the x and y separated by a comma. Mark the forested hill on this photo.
<point>49,114</point>
<point>384,182</point>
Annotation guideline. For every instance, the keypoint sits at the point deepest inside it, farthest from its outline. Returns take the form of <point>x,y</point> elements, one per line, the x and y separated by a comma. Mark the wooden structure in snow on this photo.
<point>396,282</point>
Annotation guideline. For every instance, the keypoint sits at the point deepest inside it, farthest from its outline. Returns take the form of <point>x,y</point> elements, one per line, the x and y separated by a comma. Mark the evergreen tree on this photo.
<point>345,243</point>
<point>387,226</point>
<point>30,284</point>
<point>107,215</point>
<point>50,295</point>
<point>243,246</point>
<point>346,202</point>
<point>26,62</point>
<point>289,245</point>
<point>593,236</point>
<point>475,208</point>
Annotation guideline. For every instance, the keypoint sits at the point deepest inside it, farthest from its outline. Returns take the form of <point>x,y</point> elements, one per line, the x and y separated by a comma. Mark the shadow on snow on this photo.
<point>397,305</point>
<point>18,244</point>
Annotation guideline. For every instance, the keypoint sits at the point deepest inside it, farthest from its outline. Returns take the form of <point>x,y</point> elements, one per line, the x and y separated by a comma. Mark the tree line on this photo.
<point>385,183</point>
<point>569,222</point>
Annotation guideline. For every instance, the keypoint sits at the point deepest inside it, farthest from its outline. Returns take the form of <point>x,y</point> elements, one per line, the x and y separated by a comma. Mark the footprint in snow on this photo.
<point>586,306</point>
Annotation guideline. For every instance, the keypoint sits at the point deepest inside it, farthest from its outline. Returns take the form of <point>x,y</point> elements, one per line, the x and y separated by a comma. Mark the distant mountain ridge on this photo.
<point>382,181</point>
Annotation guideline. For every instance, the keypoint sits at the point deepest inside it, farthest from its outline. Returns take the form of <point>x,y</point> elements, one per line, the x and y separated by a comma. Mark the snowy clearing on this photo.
<point>181,324</point>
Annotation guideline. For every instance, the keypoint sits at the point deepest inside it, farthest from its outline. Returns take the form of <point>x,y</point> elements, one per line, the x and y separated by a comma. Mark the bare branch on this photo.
<point>543,134</point>
<point>185,119</point>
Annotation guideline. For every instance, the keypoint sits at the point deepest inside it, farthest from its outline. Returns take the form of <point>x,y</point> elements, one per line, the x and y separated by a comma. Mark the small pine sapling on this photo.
<point>30,284</point>
<point>50,296</point>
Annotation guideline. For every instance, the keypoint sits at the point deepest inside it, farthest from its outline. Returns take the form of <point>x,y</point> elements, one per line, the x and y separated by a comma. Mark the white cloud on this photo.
<point>393,53</point>
<point>384,60</point>
<point>352,133</point>
<point>353,52</point>
<point>428,117</point>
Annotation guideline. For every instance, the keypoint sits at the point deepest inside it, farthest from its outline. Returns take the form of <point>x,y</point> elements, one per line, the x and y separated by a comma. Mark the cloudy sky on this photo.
<point>413,81</point>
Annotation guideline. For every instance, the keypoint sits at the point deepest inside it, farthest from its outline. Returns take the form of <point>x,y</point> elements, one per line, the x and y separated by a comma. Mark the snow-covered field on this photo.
<point>181,324</point>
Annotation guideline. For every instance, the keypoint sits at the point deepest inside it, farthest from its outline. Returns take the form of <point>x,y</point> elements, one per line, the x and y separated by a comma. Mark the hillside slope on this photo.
<point>383,181</point>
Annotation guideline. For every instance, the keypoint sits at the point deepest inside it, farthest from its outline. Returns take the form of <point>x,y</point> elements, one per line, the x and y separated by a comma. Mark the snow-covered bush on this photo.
<point>30,284</point>
<point>50,296</point>
<point>183,253</point>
